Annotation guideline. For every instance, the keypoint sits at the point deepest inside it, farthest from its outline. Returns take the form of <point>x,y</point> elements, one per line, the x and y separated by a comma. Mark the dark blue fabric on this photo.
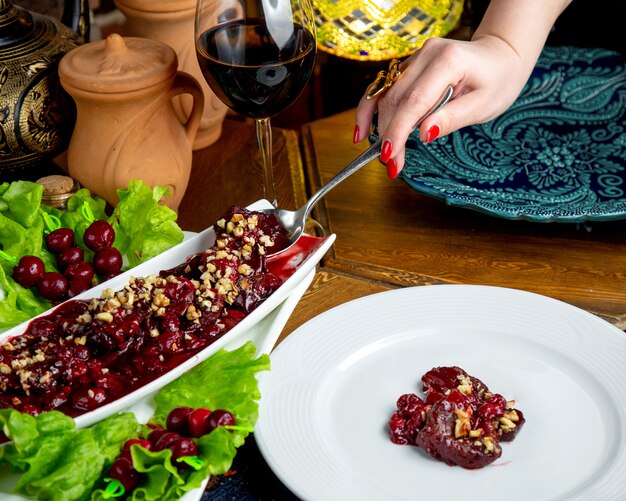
<point>250,479</point>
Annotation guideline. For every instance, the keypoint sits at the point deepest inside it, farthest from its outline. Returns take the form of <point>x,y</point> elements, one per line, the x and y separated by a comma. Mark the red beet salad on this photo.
<point>88,353</point>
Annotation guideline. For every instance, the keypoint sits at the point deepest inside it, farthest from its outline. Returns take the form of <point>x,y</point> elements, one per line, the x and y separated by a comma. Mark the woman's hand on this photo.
<point>486,73</point>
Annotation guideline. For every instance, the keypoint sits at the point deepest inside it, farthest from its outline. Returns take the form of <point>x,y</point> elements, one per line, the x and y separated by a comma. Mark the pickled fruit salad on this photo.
<point>87,353</point>
<point>460,421</point>
<point>48,255</point>
<point>200,420</point>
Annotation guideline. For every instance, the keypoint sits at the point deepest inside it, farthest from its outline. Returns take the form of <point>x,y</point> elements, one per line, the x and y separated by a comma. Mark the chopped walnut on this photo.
<point>462,424</point>
<point>161,299</point>
<point>466,384</point>
<point>192,313</point>
<point>245,269</point>
<point>506,424</point>
<point>267,241</point>
<point>512,415</point>
<point>104,316</point>
<point>489,444</point>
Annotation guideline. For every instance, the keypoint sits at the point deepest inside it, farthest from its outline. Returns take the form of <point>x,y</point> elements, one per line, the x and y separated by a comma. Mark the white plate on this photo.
<point>335,380</point>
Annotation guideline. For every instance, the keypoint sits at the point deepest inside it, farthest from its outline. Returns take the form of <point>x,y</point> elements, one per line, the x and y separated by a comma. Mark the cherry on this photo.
<point>130,442</point>
<point>166,440</point>
<point>123,471</point>
<point>60,239</point>
<point>493,408</point>
<point>99,235</point>
<point>109,276</point>
<point>44,327</point>
<point>154,435</point>
<point>31,409</point>
<point>178,420</point>
<point>107,261</point>
<point>184,446</point>
<point>197,422</point>
<point>28,271</point>
<point>408,404</point>
<point>52,286</point>
<point>219,417</point>
<point>112,384</point>
<point>80,271</point>
<point>77,287</point>
<point>69,256</point>
<point>146,444</point>
<point>88,398</point>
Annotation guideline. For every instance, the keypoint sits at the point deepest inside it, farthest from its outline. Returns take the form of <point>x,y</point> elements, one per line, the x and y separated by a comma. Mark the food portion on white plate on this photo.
<point>335,383</point>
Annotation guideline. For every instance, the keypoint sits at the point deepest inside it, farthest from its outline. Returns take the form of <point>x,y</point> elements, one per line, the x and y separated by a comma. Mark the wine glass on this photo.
<point>257,56</point>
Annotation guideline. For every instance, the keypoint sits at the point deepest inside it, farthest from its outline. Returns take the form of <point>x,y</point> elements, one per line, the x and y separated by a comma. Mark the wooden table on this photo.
<point>390,236</point>
<point>389,233</point>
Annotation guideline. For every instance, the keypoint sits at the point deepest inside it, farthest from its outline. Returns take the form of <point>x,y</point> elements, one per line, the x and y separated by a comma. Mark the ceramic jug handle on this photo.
<point>184,83</point>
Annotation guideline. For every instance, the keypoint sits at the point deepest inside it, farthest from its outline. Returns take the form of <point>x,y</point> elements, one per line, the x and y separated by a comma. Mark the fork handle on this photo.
<point>363,159</point>
<point>367,156</point>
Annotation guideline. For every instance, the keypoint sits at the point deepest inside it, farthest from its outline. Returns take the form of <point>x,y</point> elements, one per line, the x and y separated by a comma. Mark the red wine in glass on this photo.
<point>257,56</point>
<point>250,72</point>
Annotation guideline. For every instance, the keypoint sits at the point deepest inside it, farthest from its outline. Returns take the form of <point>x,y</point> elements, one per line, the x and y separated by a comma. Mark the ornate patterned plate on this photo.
<point>558,154</point>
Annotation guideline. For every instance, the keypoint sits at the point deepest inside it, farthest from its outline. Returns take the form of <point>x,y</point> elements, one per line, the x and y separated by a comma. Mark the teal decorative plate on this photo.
<point>558,154</point>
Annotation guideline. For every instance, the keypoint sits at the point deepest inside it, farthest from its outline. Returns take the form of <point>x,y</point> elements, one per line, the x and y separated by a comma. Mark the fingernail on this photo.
<point>355,136</point>
<point>432,134</point>
<point>385,151</point>
<point>392,169</point>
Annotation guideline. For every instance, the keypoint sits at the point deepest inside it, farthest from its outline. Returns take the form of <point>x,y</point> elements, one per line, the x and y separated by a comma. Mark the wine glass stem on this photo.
<point>264,138</point>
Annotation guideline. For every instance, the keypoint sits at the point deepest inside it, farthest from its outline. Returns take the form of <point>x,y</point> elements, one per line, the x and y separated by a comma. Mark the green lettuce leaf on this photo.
<point>21,233</point>
<point>17,304</point>
<point>143,227</point>
<point>58,461</point>
<point>23,199</point>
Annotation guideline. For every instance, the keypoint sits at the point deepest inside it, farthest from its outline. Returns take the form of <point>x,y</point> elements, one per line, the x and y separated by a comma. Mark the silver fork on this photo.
<point>294,221</point>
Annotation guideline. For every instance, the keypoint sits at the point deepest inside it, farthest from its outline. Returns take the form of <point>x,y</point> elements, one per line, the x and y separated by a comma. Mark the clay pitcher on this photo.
<point>172,22</point>
<point>36,116</point>
<point>126,127</point>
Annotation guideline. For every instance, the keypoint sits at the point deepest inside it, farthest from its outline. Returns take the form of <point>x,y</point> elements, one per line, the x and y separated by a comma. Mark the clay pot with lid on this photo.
<point>126,127</point>
<point>172,22</point>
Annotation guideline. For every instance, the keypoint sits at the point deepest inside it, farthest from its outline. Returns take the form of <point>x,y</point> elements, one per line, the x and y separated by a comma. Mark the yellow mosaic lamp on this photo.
<point>374,30</point>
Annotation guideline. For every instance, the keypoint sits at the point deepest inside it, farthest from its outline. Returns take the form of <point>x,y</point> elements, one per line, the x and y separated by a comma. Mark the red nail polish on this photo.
<point>385,151</point>
<point>433,133</point>
<point>355,136</point>
<point>392,169</point>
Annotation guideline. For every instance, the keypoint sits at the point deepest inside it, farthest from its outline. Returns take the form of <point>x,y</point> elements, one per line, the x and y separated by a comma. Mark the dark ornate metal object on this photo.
<point>36,115</point>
